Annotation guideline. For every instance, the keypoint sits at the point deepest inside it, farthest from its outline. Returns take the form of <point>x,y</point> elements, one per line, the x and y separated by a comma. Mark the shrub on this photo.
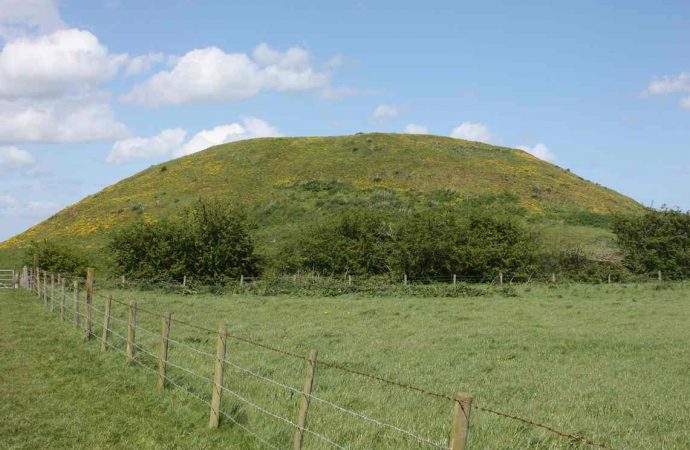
<point>656,240</point>
<point>56,258</point>
<point>210,241</point>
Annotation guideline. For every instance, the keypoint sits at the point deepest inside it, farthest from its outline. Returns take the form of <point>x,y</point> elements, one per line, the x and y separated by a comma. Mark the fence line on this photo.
<point>42,292</point>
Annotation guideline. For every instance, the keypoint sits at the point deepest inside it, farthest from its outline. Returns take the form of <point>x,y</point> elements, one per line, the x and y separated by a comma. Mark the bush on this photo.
<point>656,240</point>
<point>210,241</point>
<point>56,258</point>
<point>428,244</point>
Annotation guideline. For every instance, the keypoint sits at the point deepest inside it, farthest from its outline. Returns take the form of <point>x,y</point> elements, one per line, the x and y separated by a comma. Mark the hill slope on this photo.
<point>285,181</point>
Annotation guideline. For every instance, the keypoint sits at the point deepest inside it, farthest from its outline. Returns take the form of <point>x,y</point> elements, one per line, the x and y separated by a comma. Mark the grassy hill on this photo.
<point>286,182</point>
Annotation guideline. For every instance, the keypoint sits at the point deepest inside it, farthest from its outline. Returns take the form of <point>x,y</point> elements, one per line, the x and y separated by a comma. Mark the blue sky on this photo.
<point>94,91</point>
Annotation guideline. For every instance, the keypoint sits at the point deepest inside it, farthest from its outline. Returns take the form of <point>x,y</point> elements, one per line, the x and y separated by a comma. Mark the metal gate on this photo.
<point>7,277</point>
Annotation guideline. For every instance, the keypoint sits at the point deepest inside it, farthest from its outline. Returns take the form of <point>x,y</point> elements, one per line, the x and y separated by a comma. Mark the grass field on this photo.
<point>607,362</point>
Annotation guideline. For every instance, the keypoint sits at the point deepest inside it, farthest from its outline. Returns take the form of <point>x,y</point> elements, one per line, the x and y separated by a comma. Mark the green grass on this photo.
<point>608,362</point>
<point>285,183</point>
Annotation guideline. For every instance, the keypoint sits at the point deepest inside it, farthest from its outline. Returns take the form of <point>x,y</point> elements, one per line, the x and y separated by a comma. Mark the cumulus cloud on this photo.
<point>163,144</point>
<point>15,159</point>
<point>539,150</point>
<point>138,65</point>
<point>10,206</point>
<point>336,93</point>
<point>250,128</point>
<point>210,75</point>
<point>171,142</point>
<point>669,84</point>
<point>685,103</point>
<point>472,131</point>
<point>413,128</point>
<point>20,17</point>
<point>385,112</point>
<point>49,65</point>
<point>69,119</point>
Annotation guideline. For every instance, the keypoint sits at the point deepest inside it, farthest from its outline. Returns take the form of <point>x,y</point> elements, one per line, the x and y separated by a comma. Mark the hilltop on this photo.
<point>286,182</point>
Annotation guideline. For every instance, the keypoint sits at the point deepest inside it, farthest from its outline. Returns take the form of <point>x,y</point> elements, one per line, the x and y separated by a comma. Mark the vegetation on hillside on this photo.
<point>56,258</point>
<point>286,184</point>
<point>210,241</point>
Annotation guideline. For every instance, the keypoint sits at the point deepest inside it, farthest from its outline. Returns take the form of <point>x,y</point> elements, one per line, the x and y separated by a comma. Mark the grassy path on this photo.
<point>58,392</point>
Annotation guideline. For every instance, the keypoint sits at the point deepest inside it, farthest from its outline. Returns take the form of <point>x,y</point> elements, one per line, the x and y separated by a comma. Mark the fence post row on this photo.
<point>131,327</point>
<point>163,360</point>
<point>221,346</point>
<point>306,397</point>
<point>106,323</point>
<point>460,430</point>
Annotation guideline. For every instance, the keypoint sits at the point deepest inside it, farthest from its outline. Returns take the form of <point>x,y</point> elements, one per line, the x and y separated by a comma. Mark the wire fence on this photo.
<point>67,302</point>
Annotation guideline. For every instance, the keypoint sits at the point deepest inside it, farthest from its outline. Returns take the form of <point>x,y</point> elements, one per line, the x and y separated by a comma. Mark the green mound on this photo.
<point>287,182</point>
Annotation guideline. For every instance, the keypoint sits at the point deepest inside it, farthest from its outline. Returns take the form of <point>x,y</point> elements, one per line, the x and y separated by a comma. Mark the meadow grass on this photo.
<point>607,362</point>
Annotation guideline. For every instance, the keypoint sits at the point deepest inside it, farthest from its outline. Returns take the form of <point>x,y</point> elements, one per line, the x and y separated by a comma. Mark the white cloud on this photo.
<point>164,143</point>
<point>53,64</point>
<point>539,150</point>
<point>145,63</point>
<point>685,103</point>
<point>19,17</point>
<point>211,75</point>
<point>385,112</point>
<point>250,128</point>
<point>10,206</point>
<point>171,143</point>
<point>15,159</point>
<point>413,128</point>
<point>669,84</point>
<point>472,131</point>
<point>336,93</point>
<point>69,119</point>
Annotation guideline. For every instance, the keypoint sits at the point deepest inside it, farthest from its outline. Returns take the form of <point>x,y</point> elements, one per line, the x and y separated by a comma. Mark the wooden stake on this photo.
<point>163,360</point>
<point>461,422</point>
<point>306,397</point>
<point>609,278</point>
<point>122,280</point>
<point>659,274</point>
<point>405,279</point>
<point>63,299</point>
<point>455,279</point>
<point>553,277</point>
<point>75,304</point>
<point>89,286</point>
<point>131,327</point>
<point>218,377</point>
<point>500,278</point>
<point>184,280</point>
<point>45,288</point>
<point>349,280</point>
<point>52,292</point>
<point>106,323</point>
<point>241,280</point>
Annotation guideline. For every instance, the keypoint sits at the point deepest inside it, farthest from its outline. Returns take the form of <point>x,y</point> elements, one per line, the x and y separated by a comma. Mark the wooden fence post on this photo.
<point>609,279</point>
<point>63,299</point>
<point>106,323</point>
<point>163,360</point>
<point>75,304</point>
<point>45,288</point>
<point>306,397</point>
<point>122,281</point>
<point>405,279</point>
<point>500,278</point>
<point>349,280</point>
<point>221,346</point>
<point>455,279</point>
<point>461,422</point>
<point>131,328</point>
<point>553,277</point>
<point>184,280</point>
<point>52,292</point>
<point>241,280</point>
<point>659,275</point>
<point>88,303</point>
